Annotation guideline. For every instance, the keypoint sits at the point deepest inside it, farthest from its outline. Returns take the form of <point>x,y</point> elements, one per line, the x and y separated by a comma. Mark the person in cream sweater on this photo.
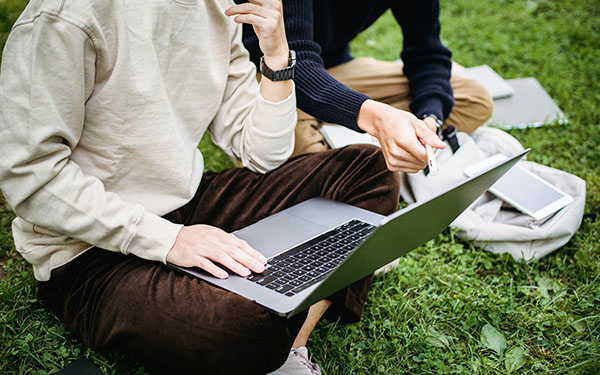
<point>102,107</point>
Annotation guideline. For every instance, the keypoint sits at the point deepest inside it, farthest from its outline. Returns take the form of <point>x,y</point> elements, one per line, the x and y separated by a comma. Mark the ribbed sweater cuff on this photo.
<point>346,106</point>
<point>154,237</point>
<point>338,104</point>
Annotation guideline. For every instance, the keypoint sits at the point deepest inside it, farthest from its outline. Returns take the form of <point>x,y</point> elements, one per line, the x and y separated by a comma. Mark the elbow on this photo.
<point>272,159</point>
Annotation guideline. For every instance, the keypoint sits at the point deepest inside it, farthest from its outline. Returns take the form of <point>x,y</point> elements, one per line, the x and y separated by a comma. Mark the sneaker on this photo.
<point>388,267</point>
<point>298,363</point>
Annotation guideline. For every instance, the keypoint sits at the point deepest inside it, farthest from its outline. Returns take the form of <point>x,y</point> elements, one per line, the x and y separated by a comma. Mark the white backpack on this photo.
<point>485,222</point>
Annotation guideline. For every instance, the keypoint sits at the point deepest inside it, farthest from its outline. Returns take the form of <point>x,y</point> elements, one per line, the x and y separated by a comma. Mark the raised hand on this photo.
<point>266,17</point>
<point>402,136</point>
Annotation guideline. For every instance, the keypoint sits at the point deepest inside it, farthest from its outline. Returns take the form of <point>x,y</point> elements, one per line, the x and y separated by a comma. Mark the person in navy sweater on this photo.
<point>400,104</point>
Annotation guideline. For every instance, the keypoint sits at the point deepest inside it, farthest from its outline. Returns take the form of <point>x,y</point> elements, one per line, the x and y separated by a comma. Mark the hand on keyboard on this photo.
<point>201,245</point>
<point>308,263</point>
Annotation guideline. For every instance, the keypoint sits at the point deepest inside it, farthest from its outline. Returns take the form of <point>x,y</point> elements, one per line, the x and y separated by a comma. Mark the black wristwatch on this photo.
<point>438,122</point>
<point>281,74</point>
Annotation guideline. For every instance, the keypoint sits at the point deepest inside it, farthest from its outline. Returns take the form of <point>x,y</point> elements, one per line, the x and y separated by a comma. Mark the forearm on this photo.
<point>249,127</point>
<point>264,137</point>
<point>257,126</point>
<point>76,205</point>
<point>322,96</point>
<point>267,138</point>
<point>266,18</point>
<point>427,63</point>
<point>319,94</point>
<point>431,93</point>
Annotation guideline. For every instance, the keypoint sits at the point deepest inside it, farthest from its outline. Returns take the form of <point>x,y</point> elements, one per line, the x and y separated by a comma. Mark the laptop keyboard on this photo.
<point>306,264</point>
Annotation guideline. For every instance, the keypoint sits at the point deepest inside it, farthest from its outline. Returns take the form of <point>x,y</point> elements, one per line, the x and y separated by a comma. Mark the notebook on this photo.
<point>488,78</point>
<point>529,106</point>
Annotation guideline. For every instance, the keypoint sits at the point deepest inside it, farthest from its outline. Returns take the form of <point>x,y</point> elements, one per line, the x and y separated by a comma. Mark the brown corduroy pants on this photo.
<point>181,325</point>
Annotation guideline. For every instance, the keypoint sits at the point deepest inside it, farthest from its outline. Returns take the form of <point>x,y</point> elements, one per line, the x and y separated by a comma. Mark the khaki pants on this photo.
<point>385,82</point>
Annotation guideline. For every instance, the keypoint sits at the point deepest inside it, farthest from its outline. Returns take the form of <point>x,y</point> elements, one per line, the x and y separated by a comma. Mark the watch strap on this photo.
<point>281,74</point>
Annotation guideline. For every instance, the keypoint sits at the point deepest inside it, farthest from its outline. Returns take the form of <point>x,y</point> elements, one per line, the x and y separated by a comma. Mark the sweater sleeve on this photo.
<point>48,72</point>
<point>427,62</point>
<point>319,94</point>
<point>258,132</point>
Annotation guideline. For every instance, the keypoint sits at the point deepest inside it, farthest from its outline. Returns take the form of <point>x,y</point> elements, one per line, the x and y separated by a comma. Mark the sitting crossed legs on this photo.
<point>183,325</point>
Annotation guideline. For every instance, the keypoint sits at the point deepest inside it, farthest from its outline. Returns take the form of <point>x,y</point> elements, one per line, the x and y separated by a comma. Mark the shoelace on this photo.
<point>313,367</point>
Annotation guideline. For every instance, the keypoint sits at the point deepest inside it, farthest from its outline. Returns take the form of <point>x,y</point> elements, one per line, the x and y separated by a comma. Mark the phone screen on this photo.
<point>528,191</point>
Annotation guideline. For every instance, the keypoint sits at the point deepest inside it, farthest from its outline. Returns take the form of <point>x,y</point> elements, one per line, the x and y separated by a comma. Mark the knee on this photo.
<point>266,348</point>
<point>235,336</point>
<point>473,106</point>
<point>366,160</point>
<point>359,152</point>
<point>259,345</point>
<point>374,182</point>
<point>307,137</point>
<point>483,104</point>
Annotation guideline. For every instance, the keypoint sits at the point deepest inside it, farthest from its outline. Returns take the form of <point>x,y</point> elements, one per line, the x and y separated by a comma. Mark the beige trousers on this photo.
<point>385,82</point>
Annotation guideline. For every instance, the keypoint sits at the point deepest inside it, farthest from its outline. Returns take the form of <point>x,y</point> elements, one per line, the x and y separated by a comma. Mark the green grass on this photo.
<point>448,308</point>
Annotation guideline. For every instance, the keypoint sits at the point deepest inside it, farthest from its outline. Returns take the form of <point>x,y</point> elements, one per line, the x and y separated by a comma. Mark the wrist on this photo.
<point>279,60</point>
<point>369,116</point>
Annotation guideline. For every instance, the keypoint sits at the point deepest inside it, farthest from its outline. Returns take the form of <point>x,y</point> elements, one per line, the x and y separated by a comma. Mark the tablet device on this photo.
<point>523,190</point>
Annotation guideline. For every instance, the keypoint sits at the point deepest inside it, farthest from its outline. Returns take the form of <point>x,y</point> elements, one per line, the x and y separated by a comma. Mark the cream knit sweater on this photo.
<point>102,106</point>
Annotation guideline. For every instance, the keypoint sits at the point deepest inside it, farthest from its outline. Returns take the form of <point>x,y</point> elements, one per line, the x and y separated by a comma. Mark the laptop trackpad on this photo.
<point>279,232</point>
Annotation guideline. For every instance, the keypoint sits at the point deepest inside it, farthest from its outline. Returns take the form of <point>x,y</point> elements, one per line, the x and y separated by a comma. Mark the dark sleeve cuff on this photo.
<point>429,105</point>
<point>348,105</point>
<point>339,104</point>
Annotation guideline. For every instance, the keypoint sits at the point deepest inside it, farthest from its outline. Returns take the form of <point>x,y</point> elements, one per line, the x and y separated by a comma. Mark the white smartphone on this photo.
<point>523,190</point>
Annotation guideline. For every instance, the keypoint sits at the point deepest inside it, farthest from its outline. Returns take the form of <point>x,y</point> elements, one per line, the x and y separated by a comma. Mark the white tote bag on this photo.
<point>485,222</point>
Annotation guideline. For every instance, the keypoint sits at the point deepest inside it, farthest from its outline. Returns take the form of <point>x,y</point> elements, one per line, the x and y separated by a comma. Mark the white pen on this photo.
<point>431,162</point>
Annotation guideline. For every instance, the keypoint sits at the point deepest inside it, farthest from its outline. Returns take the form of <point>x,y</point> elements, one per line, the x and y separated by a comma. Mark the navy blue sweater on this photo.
<point>320,30</point>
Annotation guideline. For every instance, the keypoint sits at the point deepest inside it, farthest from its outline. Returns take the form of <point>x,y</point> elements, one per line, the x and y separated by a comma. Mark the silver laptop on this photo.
<point>320,246</point>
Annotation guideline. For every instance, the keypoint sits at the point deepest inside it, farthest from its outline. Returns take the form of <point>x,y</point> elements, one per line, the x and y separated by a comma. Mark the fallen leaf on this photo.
<point>493,339</point>
<point>515,359</point>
